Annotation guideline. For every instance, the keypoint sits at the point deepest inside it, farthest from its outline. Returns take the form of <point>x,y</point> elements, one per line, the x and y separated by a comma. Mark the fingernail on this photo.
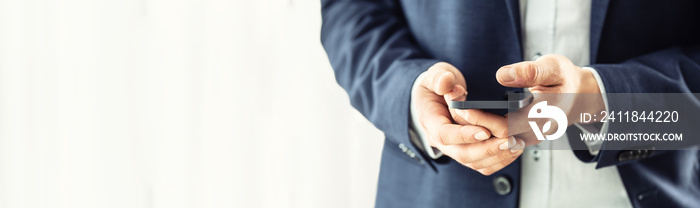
<point>444,75</point>
<point>508,74</point>
<point>507,144</point>
<point>504,145</point>
<point>481,136</point>
<point>512,142</point>
<point>520,146</point>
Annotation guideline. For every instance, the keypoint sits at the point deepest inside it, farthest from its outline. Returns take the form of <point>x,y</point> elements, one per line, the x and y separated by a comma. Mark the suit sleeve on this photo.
<point>375,59</point>
<point>674,70</point>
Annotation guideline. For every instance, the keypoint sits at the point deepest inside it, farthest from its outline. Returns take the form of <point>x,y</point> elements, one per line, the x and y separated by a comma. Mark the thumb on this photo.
<point>440,79</point>
<point>542,72</point>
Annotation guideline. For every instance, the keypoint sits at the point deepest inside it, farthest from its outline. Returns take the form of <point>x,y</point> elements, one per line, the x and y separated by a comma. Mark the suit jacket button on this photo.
<point>403,147</point>
<point>411,154</point>
<point>502,185</point>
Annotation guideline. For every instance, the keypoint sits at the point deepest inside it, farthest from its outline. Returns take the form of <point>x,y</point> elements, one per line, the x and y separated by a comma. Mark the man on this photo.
<point>400,61</point>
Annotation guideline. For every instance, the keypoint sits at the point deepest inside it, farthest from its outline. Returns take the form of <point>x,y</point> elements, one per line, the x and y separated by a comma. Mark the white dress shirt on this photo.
<point>556,178</point>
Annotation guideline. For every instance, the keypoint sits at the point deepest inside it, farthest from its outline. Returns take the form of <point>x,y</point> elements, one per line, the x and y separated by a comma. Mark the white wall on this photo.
<point>176,103</point>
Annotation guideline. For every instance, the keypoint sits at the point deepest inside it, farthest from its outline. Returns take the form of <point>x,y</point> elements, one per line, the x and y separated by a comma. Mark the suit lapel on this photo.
<point>598,10</point>
<point>514,13</point>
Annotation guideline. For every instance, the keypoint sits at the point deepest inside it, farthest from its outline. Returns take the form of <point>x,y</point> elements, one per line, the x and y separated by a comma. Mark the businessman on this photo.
<point>401,61</point>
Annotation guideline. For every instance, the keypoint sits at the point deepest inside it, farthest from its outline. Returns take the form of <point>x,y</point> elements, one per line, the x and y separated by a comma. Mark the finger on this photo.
<point>469,153</point>
<point>497,125</point>
<point>458,93</point>
<point>529,138</point>
<point>496,167</point>
<point>543,72</point>
<point>441,78</point>
<point>493,160</point>
<point>451,134</point>
<point>442,131</point>
<point>518,121</point>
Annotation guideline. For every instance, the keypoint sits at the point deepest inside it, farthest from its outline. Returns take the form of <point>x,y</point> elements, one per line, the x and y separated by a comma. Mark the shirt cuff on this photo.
<point>594,146</point>
<point>416,132</point>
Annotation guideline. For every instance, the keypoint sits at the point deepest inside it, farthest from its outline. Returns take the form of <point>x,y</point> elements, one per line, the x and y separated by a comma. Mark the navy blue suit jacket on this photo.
<point>378,47</point>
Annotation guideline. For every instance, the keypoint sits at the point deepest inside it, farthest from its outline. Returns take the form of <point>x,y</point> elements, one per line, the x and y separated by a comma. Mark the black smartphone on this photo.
<point>492,104</point>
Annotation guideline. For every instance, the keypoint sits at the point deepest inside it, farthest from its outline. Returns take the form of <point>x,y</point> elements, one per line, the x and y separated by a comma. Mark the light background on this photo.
<point>176,103</point>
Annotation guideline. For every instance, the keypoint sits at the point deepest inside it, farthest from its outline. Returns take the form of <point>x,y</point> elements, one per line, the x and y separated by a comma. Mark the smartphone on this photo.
<point>493,104</point>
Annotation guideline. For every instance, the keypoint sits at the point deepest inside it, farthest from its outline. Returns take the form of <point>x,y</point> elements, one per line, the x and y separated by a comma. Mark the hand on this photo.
<point>468,141</point>
<point>551,78</point>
